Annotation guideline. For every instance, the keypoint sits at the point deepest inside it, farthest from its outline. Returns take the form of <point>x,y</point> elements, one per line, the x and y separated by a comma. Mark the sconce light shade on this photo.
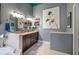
<point>30,19</point>
<point>17,15</point>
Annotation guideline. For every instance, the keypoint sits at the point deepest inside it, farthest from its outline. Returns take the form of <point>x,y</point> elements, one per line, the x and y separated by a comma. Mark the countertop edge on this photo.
<point>26,33</point>
<point>61,32</point>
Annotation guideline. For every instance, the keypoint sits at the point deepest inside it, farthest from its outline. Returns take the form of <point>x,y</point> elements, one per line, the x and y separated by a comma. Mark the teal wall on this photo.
<point>35,4</point>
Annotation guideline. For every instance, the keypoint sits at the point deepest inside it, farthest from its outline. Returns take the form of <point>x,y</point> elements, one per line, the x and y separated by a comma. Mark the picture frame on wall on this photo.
<point>51,18</point>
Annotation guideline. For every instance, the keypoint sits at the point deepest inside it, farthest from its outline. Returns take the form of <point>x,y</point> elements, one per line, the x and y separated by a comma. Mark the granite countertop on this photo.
<point>24,33</point>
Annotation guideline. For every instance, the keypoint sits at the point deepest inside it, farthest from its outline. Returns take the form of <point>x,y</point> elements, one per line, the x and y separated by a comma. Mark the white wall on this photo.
<point>76,29</point>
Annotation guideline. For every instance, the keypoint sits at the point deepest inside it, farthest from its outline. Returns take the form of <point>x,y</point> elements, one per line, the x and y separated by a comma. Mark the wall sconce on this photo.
<point>14,14</point>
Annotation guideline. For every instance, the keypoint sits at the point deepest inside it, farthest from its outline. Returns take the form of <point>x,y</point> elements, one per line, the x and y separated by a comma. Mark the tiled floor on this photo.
<point>42,48</point>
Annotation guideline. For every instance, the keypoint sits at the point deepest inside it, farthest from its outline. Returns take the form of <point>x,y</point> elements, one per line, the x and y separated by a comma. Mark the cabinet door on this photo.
<point>26,42</point>
<point>33,38</point>
<point>31,41</point>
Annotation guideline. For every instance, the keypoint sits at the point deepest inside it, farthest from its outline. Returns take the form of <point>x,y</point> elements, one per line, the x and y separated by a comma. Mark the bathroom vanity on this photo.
<point>22,41</point>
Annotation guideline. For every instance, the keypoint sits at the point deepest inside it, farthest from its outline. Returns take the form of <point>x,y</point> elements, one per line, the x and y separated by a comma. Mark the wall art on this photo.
<point>51,18</point>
